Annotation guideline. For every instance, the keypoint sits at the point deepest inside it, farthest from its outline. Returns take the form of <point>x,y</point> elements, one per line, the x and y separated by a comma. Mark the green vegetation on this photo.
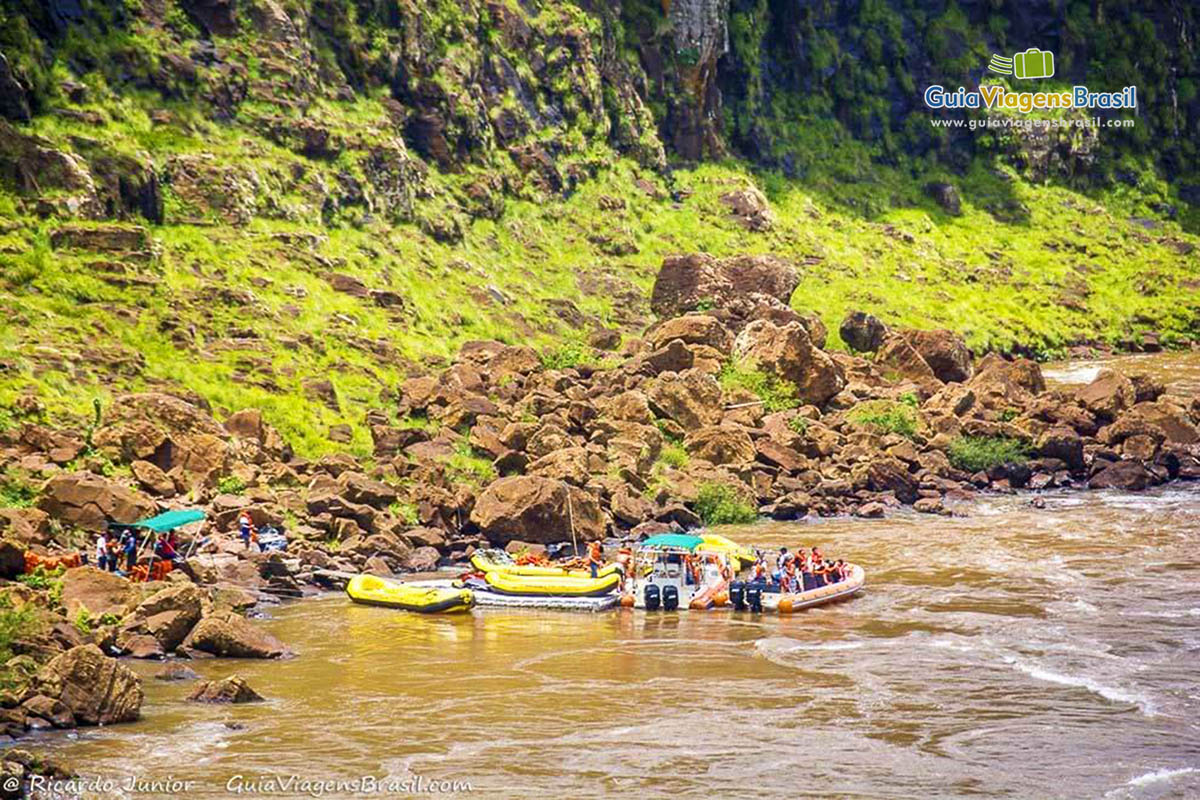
<point>83,621</point>
<point>724,504</point>
<point>466,465</point>
<point>405,511</point>
<point>887,416</point>
<point>981,453</point>
<point>798,424</point>
<point>776,393</point>
<point>231,298</point>
<point>674,455</point>
<point>231,484</point>
<point>15,490</point>
<point>15,623</point>
<point>41,578</point>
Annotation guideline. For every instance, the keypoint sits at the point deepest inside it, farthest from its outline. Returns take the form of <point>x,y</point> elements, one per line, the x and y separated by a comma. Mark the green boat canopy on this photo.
<point>170,520</point>
<point>682,541</point>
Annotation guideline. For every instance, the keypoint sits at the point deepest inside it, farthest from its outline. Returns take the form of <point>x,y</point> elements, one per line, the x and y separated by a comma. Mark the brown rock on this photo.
<point>945,352</point>
<point>50,709</point>
<point>230,635</point>
<point>97,591</point>
<point>1062,443</point>
<point>96,689</point>
<point>772,452</point>
<point>233,689</point>
<point>862,332</point>
<point>750,207</point>
<point>86,501</point>
<point>1108,395</point>
<point>535,509</point>
<point>691,329</point>
<point>423,559</point>
<point>788,353</point>
<point>686,282</point>
<point>26,526</point>
<point>152,479</point>
<point>898,360</point>
<point>721,445</point>
<point>1123,475</point>
<point>692,399</point>
<point>891,475</point>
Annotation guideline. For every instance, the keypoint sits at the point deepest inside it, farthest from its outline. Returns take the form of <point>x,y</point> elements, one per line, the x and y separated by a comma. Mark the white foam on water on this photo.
<point>1159,776</point>
<point>1078,374</point>
<point>1084,682</point>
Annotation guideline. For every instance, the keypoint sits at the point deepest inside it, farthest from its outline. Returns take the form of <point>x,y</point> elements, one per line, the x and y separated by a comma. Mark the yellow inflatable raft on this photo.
<point>487,561</point>
<point>375,591</point>
<point>560,585</point>
<point>716,543</point>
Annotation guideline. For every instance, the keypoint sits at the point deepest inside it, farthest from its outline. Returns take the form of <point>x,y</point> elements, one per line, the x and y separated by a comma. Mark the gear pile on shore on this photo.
<point>502,449</point>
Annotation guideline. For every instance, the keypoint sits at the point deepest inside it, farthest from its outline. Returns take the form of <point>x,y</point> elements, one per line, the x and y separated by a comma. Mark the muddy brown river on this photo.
<point>1011,653</point>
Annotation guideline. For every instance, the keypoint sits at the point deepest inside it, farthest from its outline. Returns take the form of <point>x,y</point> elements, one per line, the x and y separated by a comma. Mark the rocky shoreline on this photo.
<point>728,407</point>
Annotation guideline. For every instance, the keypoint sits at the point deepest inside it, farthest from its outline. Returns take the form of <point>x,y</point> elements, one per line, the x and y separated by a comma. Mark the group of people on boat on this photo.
<point>802,571</point>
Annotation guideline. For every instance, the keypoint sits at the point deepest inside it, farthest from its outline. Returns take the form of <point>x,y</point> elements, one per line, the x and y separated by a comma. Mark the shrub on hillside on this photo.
<point>722,504</point>
<point>981,453</point>
<point>777,394</point>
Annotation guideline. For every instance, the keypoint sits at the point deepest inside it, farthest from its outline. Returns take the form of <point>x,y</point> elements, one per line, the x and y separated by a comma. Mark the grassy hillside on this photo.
<point>316,230</point>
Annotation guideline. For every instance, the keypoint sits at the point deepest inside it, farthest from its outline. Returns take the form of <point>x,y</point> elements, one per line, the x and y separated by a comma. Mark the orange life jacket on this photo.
<point>595,553</point>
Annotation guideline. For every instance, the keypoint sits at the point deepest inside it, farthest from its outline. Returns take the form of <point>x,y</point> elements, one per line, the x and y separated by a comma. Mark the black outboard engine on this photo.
<point>737,595</point>
<point>754,596</point>
<point>652,597</point>
<point>670,598</point>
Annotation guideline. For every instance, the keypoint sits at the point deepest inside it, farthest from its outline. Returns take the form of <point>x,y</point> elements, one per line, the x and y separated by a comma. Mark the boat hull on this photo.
<point>375,591</point>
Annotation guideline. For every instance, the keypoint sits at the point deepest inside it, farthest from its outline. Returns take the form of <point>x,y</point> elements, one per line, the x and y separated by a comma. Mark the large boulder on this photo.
<point>1107,395</point>
<point>899,361</point>
<point>538,510</point>
<point>95,688</point>
<point>862,332</point>
<point>167,615</point>
<point>891,475</point>
<point>999,382</point>
<point>691,329</point>
<point>945,352</point>
<point>1062,443</point>
<point>1123,475</point>
<point>721,445</point>
<point>12,558</point>
<point>787,352</point>
<point>27,526</point>
<point>86,500</point>
<point>692,399</point>
<point>98,591</point>
<point>233,636</point>
<point>689,282</point>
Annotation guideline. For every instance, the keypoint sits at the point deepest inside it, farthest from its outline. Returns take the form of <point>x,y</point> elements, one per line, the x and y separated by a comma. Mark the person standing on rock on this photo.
<point>129,547</point>
<point>595,557</point>
<point>101,552</point>
<point>246,528</point>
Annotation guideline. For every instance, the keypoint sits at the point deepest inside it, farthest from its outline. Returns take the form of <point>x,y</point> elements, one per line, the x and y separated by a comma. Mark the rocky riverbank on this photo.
<point>728,407</point>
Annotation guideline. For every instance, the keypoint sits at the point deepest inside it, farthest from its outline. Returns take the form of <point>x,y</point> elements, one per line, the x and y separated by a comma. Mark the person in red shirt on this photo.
<point>595,557</point>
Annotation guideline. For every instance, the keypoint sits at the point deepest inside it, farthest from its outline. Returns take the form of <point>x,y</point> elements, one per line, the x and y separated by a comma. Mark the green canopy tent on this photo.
<point>170,520</point>
<point>166,522</point>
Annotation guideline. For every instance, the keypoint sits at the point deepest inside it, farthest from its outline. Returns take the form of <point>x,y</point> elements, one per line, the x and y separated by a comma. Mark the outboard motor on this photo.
<point>737,595</point>
<point>652,597</point>
<point>670,598</point>
<point>754,597</point>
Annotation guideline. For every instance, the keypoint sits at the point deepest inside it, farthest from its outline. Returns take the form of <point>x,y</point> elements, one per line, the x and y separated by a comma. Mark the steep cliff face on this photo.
<point>795,65</point>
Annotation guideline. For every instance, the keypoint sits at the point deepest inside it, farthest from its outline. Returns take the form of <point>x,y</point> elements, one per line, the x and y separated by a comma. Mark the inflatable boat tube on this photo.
<point>376,591</point>
<point>552,585</point>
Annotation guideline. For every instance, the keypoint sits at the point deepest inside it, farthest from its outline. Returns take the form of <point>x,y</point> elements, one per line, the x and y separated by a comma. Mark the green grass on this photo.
<point>887,416</point>
<point>16,490</point>
<point>981,453</point>
<point>15,623</point>
<point>41,578</point>
<point>231,484</point>
<point>466,465</point>
<point>674,455</point>
<point>405,511</point>
<point>777,394</point>
<point>723,504</point>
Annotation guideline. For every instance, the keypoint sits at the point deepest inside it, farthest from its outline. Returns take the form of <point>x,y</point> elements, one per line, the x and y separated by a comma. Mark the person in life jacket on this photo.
<point>246,528</point>
<point>818,567</point>
<point>758,573</point>
<point>625,559</point>
<point>787,582</point>
<point>595,557</point>
<point>780,561</point>
<point>807,581</point>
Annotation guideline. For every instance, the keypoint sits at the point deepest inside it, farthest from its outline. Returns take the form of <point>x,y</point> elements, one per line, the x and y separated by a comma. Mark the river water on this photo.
<point>1012,652</point>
